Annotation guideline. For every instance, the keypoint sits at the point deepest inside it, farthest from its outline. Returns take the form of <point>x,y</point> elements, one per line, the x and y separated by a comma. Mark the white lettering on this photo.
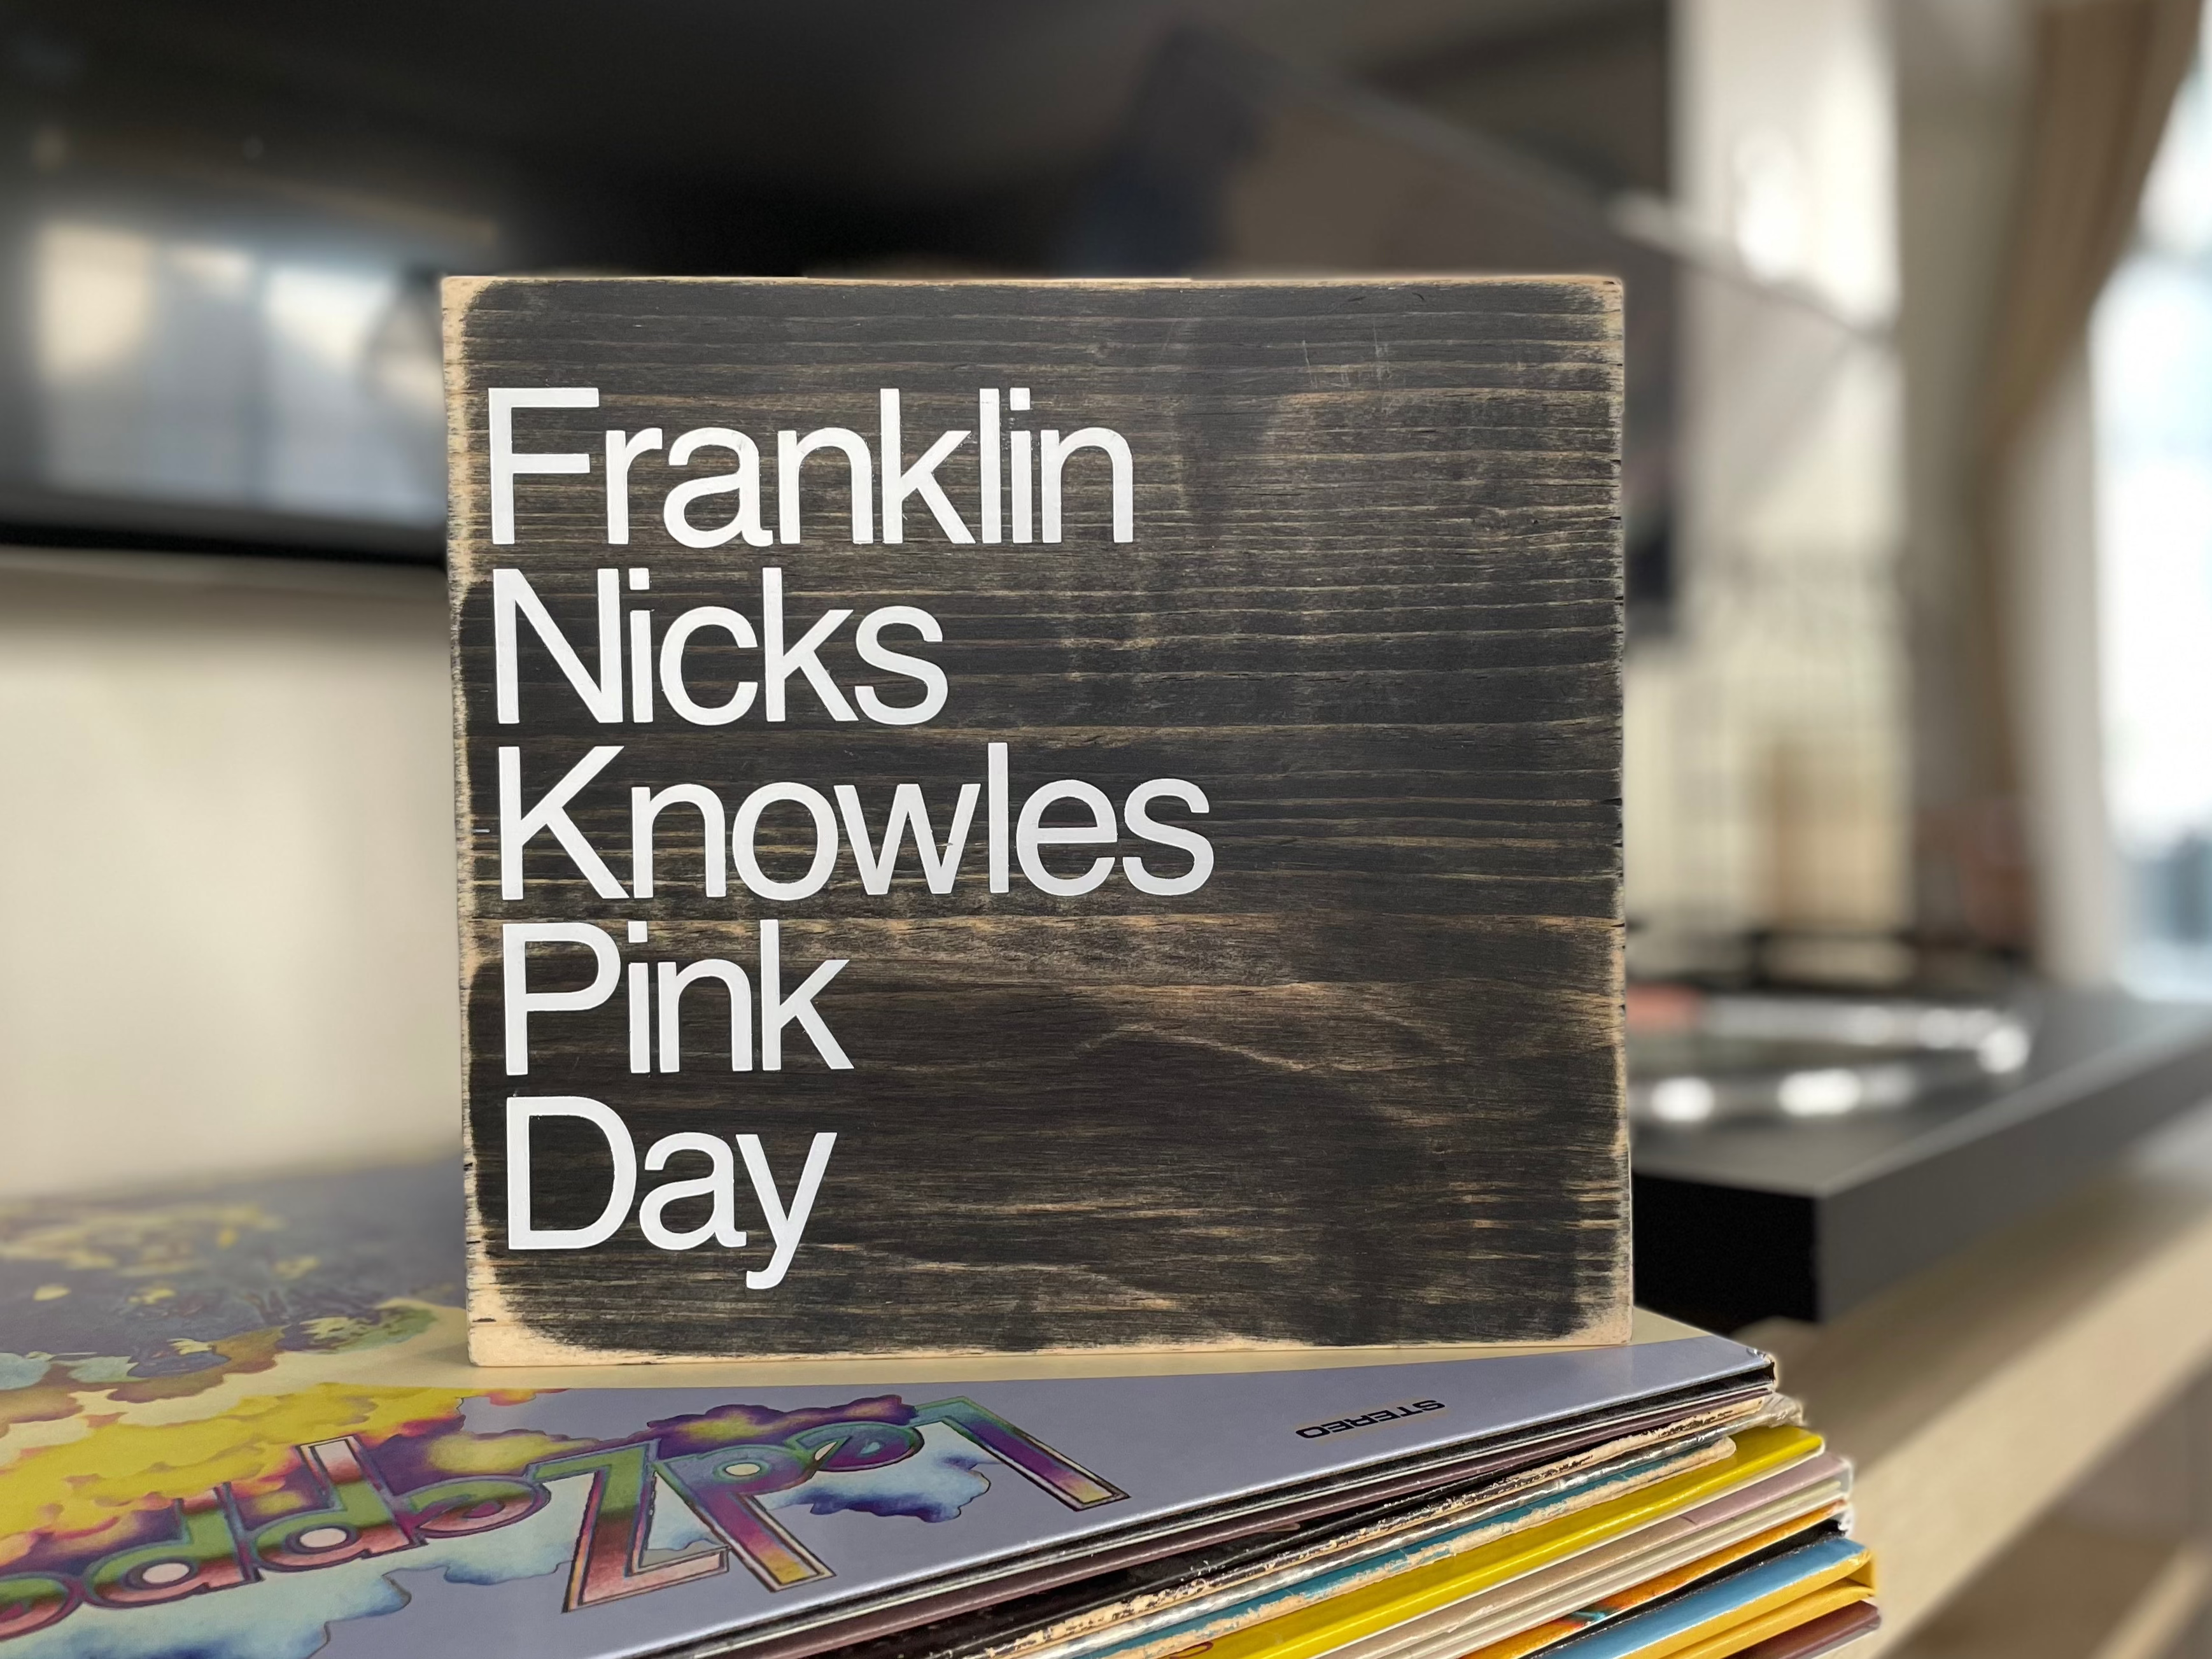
<point>996,787</point>
<point>919,479</point>
<point>867,640</point>
<point>1136,814</point>
<point>745,481</point>
<point>675,981</point>
<point>790,450</point>
<point>646,807</point>
<point>521,1111</point>
<point>512,595</point>
<point>678,691</point>
<point>506,465</point>
<point>1032,832</point>
<point>622,448</point>
<point>519,1001</point>
<point>720,1183</point>
<point>779,662</point>
<point>517,829</point>
<point>909,816</point>
<point>1053,451</point>
<point>785,1225</point>
<point>987,461</point>
<point>744,829</point>
<point>778,1010</point>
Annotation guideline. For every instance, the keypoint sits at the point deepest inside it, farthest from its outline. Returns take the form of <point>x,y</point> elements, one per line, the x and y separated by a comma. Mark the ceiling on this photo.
<point>869,97</point>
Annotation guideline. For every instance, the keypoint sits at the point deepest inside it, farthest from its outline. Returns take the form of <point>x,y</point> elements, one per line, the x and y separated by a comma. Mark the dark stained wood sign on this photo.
<point>1020,816</point>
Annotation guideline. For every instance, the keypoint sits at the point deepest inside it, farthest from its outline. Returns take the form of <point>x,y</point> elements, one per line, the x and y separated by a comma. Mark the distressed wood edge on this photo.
<point>1617,1022</point>
<point>496,1341</point>
<point>457,296</point>
<point>484,1297</point>
<point>469,289</point>
<point>445,1364</point>
<point>497,1337</point>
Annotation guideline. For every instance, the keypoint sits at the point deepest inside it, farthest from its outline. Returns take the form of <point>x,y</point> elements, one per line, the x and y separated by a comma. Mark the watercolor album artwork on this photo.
<point>237,1424</point>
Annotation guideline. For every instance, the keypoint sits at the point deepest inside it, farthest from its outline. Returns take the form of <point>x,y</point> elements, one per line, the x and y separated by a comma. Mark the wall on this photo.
<point>1766,735</point>
<point>2050,527</point>
<point>227,867</point>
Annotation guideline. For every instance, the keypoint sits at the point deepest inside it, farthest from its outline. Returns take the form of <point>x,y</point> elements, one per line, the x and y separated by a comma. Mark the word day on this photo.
<point>786,1222</point>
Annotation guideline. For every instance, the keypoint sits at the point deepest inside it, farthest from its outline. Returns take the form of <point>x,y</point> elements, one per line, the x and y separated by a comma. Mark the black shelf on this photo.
<point>1746,1220</point>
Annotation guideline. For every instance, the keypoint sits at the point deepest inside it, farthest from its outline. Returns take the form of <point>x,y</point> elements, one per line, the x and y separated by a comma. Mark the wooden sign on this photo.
<point>1023,816</point>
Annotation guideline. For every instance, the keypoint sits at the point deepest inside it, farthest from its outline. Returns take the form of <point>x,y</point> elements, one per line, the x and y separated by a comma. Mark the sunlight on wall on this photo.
<point>228,869</point>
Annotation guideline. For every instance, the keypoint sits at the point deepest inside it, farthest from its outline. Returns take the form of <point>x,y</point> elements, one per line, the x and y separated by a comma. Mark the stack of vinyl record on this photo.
<point>1674,1507</point>
<point>241,1425</point>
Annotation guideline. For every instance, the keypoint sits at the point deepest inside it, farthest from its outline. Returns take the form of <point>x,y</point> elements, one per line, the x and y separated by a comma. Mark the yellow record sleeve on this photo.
<point>1650,1589</point>
<point>1755,1622</point>
<point>1315,1630</point>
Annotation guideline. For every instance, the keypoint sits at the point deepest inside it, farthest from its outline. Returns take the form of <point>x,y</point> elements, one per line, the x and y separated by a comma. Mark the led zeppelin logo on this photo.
<point>345,1499</point>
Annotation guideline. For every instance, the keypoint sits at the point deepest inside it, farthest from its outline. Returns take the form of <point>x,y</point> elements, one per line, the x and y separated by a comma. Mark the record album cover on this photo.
<point>239,1423</point>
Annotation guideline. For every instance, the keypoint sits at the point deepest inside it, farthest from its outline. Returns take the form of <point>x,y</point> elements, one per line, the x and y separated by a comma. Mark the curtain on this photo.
<point>2103,78</point>
<point>2105,73</point>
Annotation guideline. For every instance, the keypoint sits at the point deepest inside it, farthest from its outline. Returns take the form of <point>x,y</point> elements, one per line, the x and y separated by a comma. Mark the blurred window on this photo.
<point>2151,351</point>
<point>200,371</point>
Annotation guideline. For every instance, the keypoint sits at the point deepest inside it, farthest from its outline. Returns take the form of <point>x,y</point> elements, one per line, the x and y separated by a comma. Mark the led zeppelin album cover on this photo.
<point>239,1423</point>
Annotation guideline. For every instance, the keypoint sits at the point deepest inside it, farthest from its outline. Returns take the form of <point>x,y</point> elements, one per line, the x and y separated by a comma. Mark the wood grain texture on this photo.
<point>1361,1088</point>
